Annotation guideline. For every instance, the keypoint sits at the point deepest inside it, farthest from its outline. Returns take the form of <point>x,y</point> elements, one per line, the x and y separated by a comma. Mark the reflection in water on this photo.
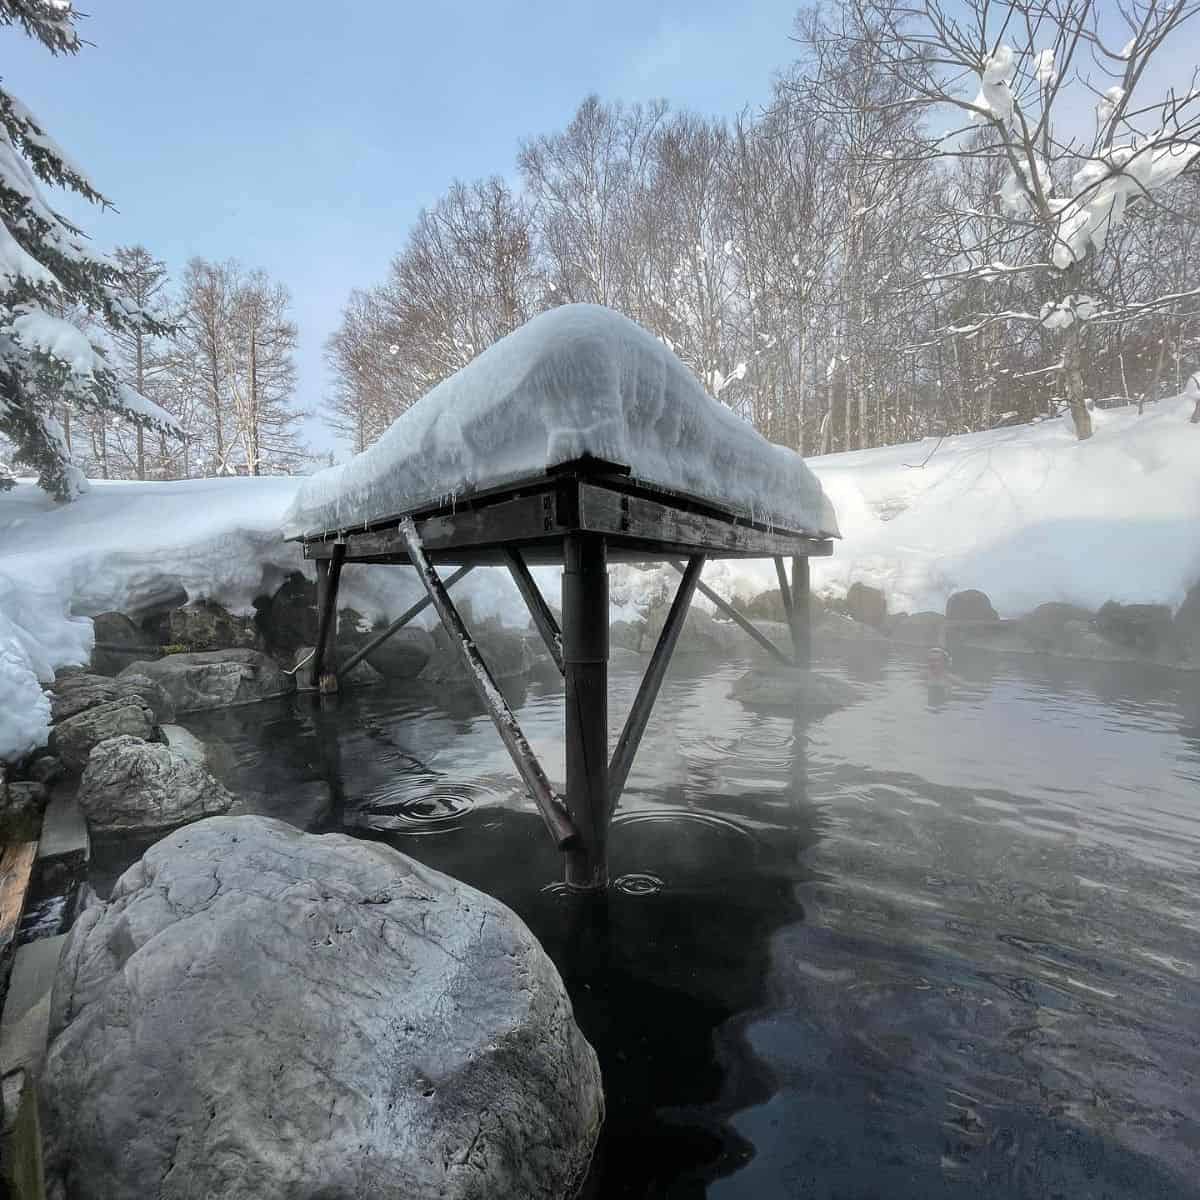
<point>923,946</point>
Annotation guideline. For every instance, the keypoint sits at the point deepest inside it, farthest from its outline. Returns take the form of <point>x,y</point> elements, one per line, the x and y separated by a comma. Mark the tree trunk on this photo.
<point>139,385</point>
<point>1073,372</point>
<point>252,423</point>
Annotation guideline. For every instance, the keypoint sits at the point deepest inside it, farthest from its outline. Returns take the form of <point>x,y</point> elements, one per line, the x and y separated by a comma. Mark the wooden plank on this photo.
<point>539,610</point>
<point>553,813</point>
<point>602,510</point>
<point>16,866</point>
<point>643,704</point>
<point>536,522</point>
<point>498,524</point>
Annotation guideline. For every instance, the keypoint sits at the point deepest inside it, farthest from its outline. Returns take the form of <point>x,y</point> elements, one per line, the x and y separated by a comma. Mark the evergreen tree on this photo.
<point>47,366</point>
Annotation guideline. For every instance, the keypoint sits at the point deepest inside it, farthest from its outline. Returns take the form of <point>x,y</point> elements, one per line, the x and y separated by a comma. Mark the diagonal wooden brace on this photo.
<point>539,610</point>
<point>530,770</point>
<point>731,612</point>
<point>643,704</point>
<point>398,624</point>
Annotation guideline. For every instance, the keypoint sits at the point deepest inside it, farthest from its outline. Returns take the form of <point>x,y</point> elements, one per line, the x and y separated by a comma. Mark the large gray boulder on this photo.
<point>404,654</point>
<point>74,739</point>
<point>1145,628</point>
<point>918,629</point>
<point>261,1014</point>
<point>970,605</point>
<point>1053,628</point>
<point>288,619</point>
<point>72,694</point>
<point>509,654</point>
<point>118,642</point>
<point>207,625</point>
<point>215,678</point>
<point>867,604</point>
<point>133,786</point>
<point>1185,625</point>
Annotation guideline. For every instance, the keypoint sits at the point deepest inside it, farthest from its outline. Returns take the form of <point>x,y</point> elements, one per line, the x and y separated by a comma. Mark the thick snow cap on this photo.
<point>575,381</point>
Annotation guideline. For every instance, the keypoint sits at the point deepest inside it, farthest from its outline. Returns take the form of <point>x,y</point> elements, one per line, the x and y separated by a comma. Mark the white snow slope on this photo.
<point>577,380</point>
<point>116,546</point>
<point>1028,514</point>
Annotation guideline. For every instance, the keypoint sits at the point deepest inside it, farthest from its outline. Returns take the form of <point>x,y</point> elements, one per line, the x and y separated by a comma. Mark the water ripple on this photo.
<point>635,883</point>
<point>421,807</point>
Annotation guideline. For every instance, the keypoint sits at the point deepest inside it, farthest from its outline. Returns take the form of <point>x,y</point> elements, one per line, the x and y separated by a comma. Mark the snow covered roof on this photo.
<point>577,381</point>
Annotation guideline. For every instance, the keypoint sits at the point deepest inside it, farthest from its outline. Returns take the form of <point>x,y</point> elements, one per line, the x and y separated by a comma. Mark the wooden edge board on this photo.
<point>592,472</point>
<point>16,868</point>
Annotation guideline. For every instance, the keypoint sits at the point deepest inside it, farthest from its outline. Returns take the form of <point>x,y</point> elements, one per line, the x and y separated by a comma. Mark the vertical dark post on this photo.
<point>800,615</point>
<point>585,668</point>
<point>329,572</point>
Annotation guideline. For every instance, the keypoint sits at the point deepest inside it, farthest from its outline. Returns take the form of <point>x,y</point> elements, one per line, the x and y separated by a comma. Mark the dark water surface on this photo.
<point>945,942</point>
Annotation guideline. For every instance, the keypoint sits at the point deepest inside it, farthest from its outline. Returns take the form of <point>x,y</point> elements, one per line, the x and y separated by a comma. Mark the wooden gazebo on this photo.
<point>581,515</point>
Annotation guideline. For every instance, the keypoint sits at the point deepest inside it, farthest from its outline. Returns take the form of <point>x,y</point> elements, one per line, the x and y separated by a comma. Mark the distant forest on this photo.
<point>938,224</point>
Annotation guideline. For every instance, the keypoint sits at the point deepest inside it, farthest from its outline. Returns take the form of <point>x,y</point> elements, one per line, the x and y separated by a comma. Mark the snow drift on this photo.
<point>575,381</point>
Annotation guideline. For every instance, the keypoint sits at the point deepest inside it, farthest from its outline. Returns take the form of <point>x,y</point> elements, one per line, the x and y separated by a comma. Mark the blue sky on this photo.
<point>303,138</point>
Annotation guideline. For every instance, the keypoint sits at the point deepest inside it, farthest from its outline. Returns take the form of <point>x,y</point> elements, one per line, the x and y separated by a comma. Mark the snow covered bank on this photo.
<point>121,545</point>
<point>1027,514</point>
<point>118,546</point>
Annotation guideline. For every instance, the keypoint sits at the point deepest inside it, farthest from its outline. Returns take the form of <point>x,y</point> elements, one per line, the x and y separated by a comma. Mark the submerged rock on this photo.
<point>138,787</point>
<point>215,678</point>
<point>74,739</point>
<point>793,689</point>
<point>261,1014</point>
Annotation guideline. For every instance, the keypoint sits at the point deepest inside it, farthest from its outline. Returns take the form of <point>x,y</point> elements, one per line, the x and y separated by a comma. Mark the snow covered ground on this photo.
<point>1028,514</point>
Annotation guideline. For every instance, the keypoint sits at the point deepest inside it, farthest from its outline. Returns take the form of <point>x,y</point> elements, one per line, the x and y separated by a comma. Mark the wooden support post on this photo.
<point>800,617</point>
<point>329,573</point>
<point>539,610</point>
<point>731,612</point>
<point>549,805</point>
<point>643,704</point>
<point>398,624</point>
<point>585,662</point>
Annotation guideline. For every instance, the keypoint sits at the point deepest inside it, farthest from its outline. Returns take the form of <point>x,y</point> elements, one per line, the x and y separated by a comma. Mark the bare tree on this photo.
<point>1015,74</point>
